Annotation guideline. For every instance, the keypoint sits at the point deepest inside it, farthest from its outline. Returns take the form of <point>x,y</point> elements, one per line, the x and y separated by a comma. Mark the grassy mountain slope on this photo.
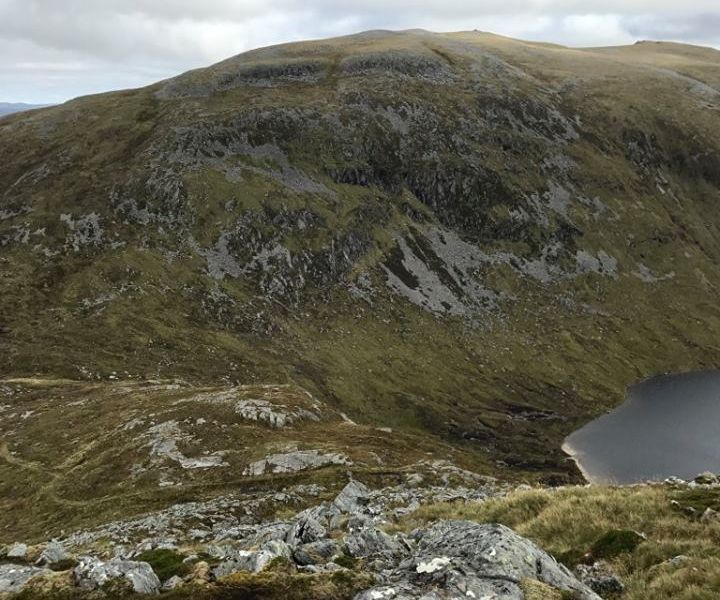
<point>81,454</point>
<point>459,236</point>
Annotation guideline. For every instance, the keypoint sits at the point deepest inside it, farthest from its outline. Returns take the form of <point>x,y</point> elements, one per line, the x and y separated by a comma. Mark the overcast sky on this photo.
<point>53,50</point>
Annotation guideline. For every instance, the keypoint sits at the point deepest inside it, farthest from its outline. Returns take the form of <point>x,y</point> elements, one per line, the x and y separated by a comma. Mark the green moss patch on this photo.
<point>614,543</point>
<point>166,563</point>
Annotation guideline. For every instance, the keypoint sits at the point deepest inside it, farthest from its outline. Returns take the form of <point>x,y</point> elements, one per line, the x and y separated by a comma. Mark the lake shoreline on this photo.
<point>668,426</point>
<point>572,455</point>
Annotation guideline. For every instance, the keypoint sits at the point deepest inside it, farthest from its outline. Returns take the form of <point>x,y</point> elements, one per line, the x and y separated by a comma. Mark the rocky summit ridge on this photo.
<point>393,257</point>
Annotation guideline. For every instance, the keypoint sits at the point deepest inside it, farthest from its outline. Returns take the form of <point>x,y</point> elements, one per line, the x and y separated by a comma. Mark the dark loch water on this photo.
<point>669,425</point>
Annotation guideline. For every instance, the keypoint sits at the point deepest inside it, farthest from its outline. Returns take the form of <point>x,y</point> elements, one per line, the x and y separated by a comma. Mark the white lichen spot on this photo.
<point>382,594</point>
<point>436,564</point>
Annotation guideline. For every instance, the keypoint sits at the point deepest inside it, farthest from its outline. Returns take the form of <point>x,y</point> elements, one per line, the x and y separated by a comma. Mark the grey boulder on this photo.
<point>253,561</point>
<point>298,460</point>
<point>278,548</point>
<point>91,573</point>
<point>316,552</point>
<point>172,583</point>
<point>373,542</point>
<point>353,497</point>
<point>54,552</point>
<point>463,559</point>
<point>600,579</point>
<point>16,550</point>
<point>305,531</point>
<point>313,524</point>
<point>14,577</point>
<point>710,515</point>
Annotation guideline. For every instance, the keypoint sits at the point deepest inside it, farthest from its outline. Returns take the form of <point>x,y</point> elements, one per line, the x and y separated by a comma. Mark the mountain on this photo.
<point>7,108</point>
<point>398,246</point>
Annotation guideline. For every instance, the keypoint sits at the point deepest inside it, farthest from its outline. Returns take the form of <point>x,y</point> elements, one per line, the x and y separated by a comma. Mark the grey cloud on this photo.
<point>696,29</point>
<point>53,50</point>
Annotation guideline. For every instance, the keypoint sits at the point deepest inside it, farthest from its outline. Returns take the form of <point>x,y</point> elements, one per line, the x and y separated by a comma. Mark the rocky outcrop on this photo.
<point>14,577</point>
<point>447,559</point>
<point>352,497</point>
<point>54,552</point>
<point>244,560</point>
<point>269,406</point>
<point>441,560</point>
<point>373,542</point>
<point>311,525</point>
<point>92,573</point>
<point>404,64</point>
<point>298,460</point>
<point>317,552</point>
<point>262,410</point>
<point>163,444</point>
<point>463,559</point>
<point>236,73</point>
<point>16,550</point>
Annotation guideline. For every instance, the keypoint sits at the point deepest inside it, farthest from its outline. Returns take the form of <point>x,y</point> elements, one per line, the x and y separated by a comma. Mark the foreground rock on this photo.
<point>454,559</point>
<point>13,578</point>
<point>16,550</point>
<point>92,573</point>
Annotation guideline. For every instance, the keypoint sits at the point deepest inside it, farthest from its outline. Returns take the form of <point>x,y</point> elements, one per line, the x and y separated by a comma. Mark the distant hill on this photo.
<point>7,108</point>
